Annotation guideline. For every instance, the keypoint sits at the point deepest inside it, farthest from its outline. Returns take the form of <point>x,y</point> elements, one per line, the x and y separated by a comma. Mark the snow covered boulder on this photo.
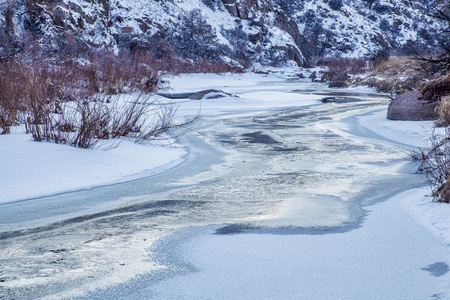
<point>411,106</point>
<point>210,94</point>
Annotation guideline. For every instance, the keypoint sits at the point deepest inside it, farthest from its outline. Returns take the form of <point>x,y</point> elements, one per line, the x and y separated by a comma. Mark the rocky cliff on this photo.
<point>266,31</point>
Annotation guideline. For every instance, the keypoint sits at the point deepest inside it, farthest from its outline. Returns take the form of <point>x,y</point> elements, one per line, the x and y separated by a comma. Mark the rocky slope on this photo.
<point>266,31</point>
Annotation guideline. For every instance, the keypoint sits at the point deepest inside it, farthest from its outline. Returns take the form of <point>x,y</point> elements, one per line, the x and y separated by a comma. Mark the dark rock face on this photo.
<point>287,24</point>
<point>254,10</point>
<point>245,9</point>
<point>410,106</point>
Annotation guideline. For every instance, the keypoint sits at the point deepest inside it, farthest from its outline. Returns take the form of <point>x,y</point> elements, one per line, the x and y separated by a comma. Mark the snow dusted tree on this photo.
<point>10,45</point>
<point>442,14</point>
<point>437,39</point>
<point>195,38</point>
<point>335,4</point>
<point>212,4</point>
<point>370,2</point>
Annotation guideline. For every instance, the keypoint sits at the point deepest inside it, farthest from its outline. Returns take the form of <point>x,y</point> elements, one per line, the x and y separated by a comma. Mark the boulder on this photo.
<point>210,94</point>
<point>411,106</point>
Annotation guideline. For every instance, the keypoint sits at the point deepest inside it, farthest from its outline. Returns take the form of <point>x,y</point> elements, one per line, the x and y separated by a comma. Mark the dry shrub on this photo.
<point>109,74</point>
<point>435,164</point>
<point>339,65</point>
<point>349,65</point>
<point>45,94</point>
<point>177,65</point>
<point>389,85</point>
<point>396,75</point>
<point>86,123</point>
<point>396,65</point>
<point>124,73</point>
<point>443,112</point>
<point>132,72</point>
<point>25,88</point>
<point>69,101</point>
<point>9,97</point>
<point>437,88</point>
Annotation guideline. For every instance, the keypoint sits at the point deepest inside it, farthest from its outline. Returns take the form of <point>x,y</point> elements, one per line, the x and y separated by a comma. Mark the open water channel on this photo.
<point>297,170</point>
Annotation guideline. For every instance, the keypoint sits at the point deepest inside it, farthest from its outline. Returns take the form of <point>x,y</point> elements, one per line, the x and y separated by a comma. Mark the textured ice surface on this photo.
<point>285,182</point>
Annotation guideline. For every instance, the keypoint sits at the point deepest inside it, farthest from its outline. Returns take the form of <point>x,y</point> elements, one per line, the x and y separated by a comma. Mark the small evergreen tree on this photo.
<point>370,3</point>
<point>335,4</point>
<point>437,39</point>
<point>195,38</point>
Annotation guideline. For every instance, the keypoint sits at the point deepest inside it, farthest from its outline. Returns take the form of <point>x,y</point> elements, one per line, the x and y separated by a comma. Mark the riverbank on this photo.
<point>289,160</point>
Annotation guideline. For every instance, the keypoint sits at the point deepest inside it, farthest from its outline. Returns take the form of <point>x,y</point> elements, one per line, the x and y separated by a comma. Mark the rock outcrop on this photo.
<point>244,30</point>
<point>248,9</point>
<point>210,94</point>
<point>269,32</point>
<point>257,11</point>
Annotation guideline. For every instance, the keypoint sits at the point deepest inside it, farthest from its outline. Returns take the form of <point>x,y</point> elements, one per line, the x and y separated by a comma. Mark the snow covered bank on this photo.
<point>435,216</point>
<point>30,169</point>
<point>391,256</point>
<point>410,133</point>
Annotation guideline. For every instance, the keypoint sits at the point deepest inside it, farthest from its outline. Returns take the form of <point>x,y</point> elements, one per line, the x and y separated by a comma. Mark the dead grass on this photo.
<point>397,65</point>
<point>70,102</point>
<point>435,89</point>
<point>443,112</point>
<point>396,75</point>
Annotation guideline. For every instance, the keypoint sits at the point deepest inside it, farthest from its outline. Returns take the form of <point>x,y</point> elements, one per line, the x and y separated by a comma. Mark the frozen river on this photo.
<point>270,203</point>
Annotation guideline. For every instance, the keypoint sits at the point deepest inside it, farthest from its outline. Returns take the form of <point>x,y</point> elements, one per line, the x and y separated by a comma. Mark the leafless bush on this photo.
<point>85,124</point>
<point>25,88</point>
<point>9,97</point>
<point>339,65</point>
<point>178,64</point>
<point>71,102</point>
<point>38,97</point>
<point>435,164</point>
<point>110,74</point>
<point>443,112</point>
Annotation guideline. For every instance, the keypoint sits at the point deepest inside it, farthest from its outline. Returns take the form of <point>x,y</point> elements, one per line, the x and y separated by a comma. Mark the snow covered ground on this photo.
<point>405,237</point>
<point>392,256</point>
<point>30,169</point>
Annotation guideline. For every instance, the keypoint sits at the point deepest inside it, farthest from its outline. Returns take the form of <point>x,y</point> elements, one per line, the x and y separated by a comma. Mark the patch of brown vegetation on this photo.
<point>338,66</point>
<point>436,89</point>
<point>396,75</point>
<point>443,112</point>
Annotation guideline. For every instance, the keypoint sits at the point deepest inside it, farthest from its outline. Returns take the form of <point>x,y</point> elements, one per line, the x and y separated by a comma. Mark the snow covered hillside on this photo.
<point>266,31</point>
<point>357,28</point>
